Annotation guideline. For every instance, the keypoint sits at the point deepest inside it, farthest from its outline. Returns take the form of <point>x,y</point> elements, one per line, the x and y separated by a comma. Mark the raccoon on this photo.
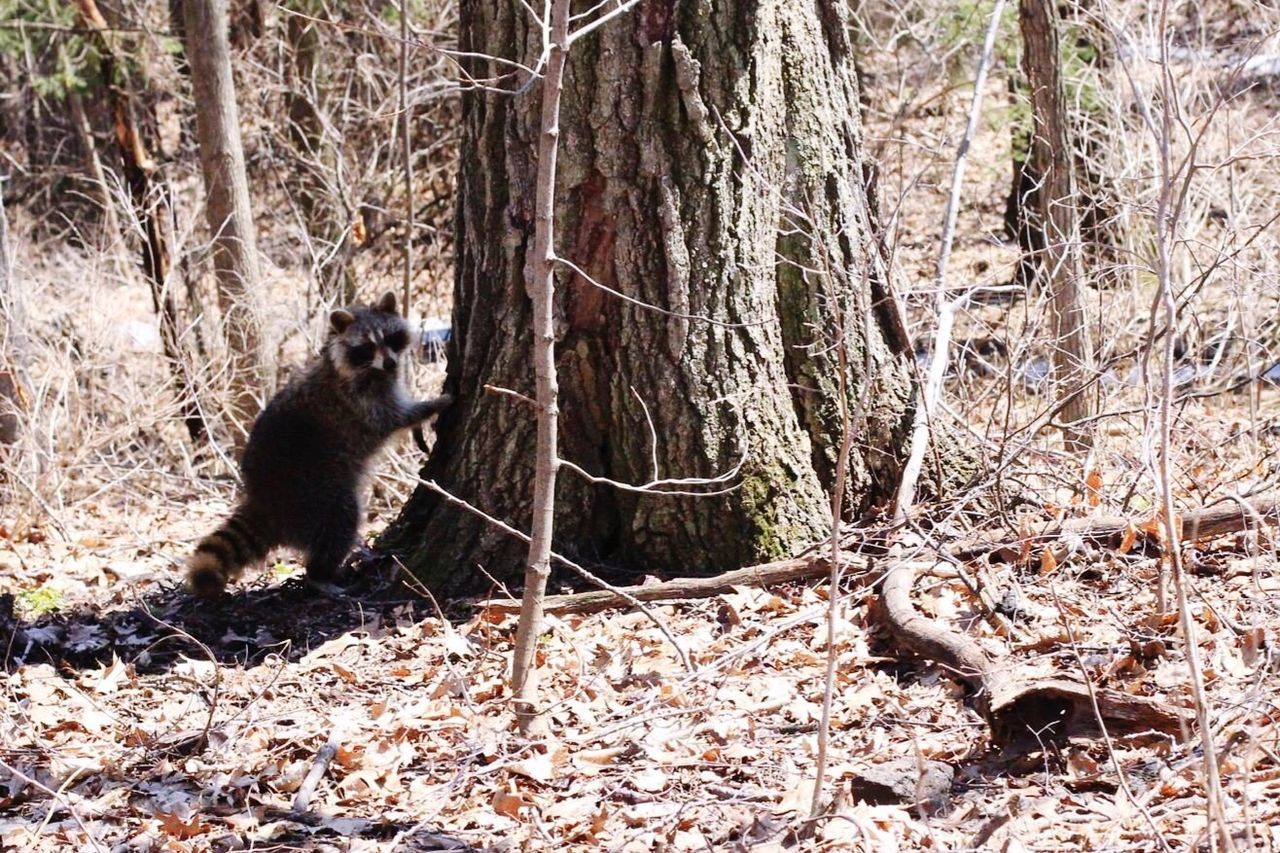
<point>307,459</point>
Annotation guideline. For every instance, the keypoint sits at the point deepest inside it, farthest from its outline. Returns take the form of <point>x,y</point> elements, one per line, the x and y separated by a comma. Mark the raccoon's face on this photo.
<point>367,341</point>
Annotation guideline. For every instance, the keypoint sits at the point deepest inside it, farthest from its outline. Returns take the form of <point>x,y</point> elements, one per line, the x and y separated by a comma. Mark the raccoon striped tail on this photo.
<point>222,555</point>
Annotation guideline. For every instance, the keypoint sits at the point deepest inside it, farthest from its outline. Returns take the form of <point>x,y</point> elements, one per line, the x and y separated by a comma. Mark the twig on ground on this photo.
<point>302,800</point>
<point>1123,781</point>
<point>620,594</point>
<point>61,796</point>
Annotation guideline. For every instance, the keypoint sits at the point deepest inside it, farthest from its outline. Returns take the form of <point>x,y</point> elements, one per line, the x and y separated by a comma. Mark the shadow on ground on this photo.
<point>242,628</point>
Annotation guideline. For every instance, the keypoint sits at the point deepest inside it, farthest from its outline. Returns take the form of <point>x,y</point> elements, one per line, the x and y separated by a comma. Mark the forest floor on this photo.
<point>135,718</point>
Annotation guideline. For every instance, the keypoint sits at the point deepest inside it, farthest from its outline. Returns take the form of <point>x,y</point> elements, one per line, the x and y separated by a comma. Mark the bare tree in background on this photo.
<point>235,255</point>
<point>1095,127</point>
<point>1050,159</point>
<point>11,340</point>
<point>306,99</point>
<point>152,205</point>
<point>93,163</point>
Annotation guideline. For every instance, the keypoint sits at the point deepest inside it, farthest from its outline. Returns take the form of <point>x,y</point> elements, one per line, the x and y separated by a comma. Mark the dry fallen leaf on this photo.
<point>176,827</point>
<point>1126,541</point>
<point>539,768</point>
<point>606,756</point>
<point>651,780</point>
<point>1253,644</point>
<point>509,803</point>
<point>1082,766</point>
<point>1093,487</point>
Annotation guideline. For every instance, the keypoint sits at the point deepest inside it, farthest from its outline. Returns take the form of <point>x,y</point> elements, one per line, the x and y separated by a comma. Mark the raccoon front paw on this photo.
<point>428,408</point>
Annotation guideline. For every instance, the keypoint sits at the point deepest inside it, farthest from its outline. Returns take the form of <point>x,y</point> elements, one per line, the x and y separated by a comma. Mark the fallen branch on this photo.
<point>302,800</point>
<point>65,797</point>
<point>1230,516</point>
<point>1196,525</point>
<point>680,589</point>
<point>1022,707</point>
<point>619,594</point>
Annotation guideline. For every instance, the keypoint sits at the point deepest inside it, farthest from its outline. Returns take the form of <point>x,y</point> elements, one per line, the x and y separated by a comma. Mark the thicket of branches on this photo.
<point>321,102</point>
<point>1165,237</point>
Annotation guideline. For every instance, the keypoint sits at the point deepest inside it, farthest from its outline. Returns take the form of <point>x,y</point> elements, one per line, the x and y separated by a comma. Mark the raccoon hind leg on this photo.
<point>333,537</point>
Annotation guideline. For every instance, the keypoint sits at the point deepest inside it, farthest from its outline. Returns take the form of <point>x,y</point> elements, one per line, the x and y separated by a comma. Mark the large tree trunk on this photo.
<point>710,165</point>
<point>235,254</point>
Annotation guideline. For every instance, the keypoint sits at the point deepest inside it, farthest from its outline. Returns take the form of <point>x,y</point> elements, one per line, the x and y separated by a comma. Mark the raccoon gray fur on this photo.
<point>307,459</point>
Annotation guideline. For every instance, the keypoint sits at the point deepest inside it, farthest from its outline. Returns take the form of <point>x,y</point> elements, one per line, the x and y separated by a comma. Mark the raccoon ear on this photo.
<point>340,319</point>
<point>387,304</point>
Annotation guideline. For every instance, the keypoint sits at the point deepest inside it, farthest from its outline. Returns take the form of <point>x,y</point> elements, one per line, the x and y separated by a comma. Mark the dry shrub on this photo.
<point>103,407</point>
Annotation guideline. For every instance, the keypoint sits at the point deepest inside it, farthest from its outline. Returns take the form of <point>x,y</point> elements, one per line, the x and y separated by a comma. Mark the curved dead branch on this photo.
<point>1021,706</point>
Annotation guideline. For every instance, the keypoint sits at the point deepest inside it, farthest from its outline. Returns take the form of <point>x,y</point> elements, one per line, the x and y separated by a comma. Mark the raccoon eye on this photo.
<point>360,354</point>
<point>397,340</point>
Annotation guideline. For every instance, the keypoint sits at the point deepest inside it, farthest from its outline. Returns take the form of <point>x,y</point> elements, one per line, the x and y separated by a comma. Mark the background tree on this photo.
<point>710,177</point>
<point>1096,134</point>
<point>322,200</point>
<point>235,253</point>
<point>152,204</point>
<point>1051,163</point>
<point>11,340</point>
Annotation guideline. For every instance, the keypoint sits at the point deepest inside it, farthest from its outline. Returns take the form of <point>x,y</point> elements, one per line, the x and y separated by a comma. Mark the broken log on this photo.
<point>1022,709</point>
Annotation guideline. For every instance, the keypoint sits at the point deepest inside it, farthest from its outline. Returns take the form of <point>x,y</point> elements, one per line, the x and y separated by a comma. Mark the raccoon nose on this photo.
<point>388,362</point>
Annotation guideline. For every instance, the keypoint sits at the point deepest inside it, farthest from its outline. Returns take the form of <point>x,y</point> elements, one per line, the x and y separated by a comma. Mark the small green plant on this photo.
<point>51,45</point>
<point>37,602</point>
<point>284,570</point>
<point>965,22</point>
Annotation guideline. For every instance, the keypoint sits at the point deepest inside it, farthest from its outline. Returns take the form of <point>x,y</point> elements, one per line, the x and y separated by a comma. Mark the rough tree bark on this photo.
<point>235,254</point>
<point>710,165</point>
<point>1051,160</point>
<point>1085,57</point>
